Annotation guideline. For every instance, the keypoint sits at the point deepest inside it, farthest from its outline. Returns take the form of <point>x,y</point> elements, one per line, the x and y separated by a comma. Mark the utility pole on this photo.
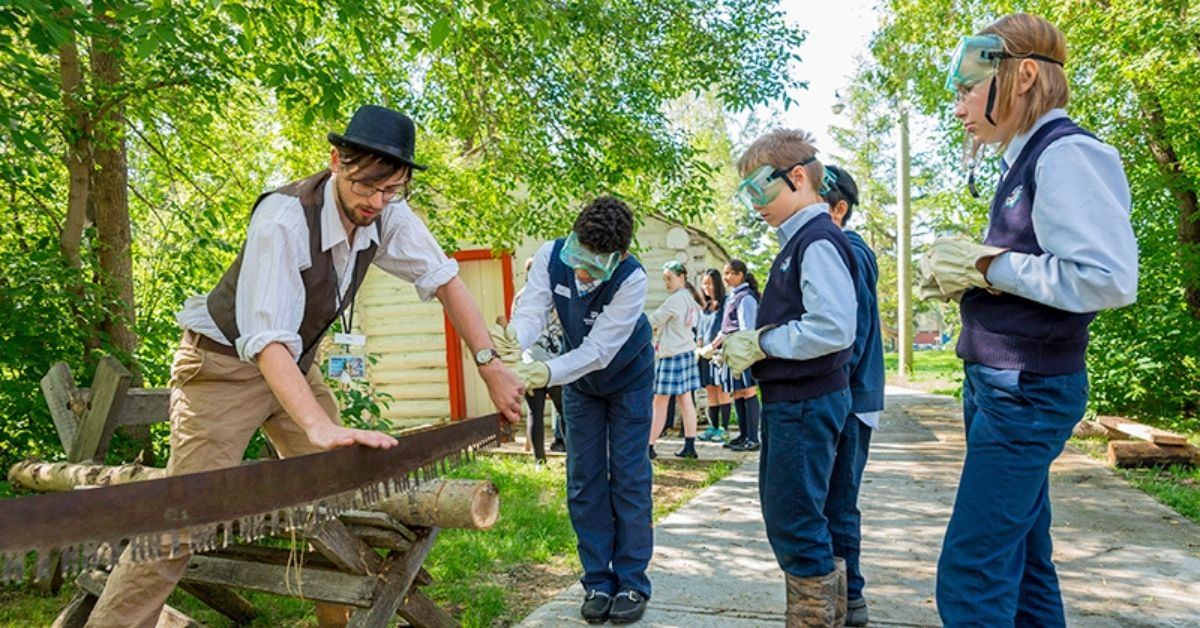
<point>904,333</point>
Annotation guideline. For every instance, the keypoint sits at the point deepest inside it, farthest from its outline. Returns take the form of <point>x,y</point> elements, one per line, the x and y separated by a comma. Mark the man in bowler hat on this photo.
<point>246,360</point>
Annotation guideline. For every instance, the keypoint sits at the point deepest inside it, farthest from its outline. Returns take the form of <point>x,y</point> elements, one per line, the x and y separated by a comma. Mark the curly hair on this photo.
<point>605,226</point>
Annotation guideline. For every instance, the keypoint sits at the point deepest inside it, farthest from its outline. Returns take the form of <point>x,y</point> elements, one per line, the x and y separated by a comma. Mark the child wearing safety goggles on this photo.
<point>1059,247</point>
<point>799,352</point>
<point>607,372</point>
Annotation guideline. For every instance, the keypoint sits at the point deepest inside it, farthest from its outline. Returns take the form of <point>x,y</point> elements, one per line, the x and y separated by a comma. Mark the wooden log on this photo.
<point>333,539</point>
<point>1088,429</point>
<point>1131,428</point>
<point>64,476</point>
<point>320,585</point>
<point>468,504</point>
<point>95,429</point>
<point>376,520</point>
<point>1144,454</point>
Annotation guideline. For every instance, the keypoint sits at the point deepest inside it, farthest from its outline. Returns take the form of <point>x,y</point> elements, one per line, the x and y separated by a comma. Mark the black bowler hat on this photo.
<point>381,131</point>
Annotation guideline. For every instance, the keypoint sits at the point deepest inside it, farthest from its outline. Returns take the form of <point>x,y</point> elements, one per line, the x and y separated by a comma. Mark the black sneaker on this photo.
<point>747,445</point>
<point>627,607</point>
<point>735,442</point>
<point>856,612</point>
<point>686,453</point>
<point>558,446</point>
<point>596,605</point>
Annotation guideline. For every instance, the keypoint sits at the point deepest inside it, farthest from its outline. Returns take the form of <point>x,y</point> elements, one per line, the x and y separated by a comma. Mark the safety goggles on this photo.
<point>762,186</point>
<point>599,265</point>
<point>977,58</point>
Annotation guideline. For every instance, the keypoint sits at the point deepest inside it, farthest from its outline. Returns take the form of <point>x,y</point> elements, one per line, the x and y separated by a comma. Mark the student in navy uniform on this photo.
<point>607,373</point>
<point>1059,248</point>
<point>866,402</point>
<point>716,399</point>
<point>799,351</point>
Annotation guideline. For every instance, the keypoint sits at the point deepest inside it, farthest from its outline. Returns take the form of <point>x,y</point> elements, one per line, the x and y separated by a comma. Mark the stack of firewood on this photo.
<point>1131,444</point>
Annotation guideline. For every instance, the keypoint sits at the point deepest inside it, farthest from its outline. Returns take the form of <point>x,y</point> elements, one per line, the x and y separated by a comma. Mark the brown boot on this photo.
<point>839,620</point>
<point>811,602</point>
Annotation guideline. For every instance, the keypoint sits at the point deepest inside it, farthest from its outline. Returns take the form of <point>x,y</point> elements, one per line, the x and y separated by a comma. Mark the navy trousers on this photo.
<point>995,569</point>
<point>798,449</point>
<point>841,507</point>
<point>608,485</point>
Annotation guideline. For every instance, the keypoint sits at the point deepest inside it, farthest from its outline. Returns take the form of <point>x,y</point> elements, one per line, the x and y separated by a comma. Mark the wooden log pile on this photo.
<point>1133,445</point>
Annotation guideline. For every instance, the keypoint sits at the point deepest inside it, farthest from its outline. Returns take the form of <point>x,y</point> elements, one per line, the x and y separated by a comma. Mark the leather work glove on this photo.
<point>741,349</point>
<point>953,260</point>
<point>533,374</point>
<point>505,339</point>
<point>706,352</point>
<point>929,288</point>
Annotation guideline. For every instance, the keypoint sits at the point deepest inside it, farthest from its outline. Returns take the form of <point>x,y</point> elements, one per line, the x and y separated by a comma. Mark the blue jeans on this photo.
<point>798,449</point>
<point>841,508</point>
<point>995,569</point>
<point>608,485</point>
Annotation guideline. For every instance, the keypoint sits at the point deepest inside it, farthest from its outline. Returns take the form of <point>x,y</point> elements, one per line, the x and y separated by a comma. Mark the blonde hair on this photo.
<point>784,148</point>
<point>1025,35</point>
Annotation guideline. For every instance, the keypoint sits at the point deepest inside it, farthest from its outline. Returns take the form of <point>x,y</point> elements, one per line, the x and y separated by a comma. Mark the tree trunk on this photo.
<point>469,504</point>
<point>1188,226</point>
<point>111,195</point>
<point>49,477</point>
<point>79,153</point>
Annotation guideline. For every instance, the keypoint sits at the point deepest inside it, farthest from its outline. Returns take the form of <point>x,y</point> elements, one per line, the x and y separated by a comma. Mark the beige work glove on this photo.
<point>706,352</point>
<point>952,261</point>
<point>742,349</point>
<point>534,375</point>
<point>505,339</point>
<point>929,288</point>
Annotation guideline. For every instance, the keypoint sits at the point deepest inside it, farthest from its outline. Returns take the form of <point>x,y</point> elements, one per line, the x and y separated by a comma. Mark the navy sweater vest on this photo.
<point>797,380</point>
<point>866,362</point>
<point>634,362</point>
<point>1011,332</point>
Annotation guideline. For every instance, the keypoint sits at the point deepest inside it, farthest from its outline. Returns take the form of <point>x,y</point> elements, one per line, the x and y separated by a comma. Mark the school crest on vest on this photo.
<point>1013,197</point>
<point>785,265</point>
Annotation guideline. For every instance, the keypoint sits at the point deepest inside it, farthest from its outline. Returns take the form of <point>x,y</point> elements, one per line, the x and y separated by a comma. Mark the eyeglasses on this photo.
<point>388,193</point>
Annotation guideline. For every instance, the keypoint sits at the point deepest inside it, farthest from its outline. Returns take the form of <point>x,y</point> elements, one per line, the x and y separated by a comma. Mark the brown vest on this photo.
<point>320,287</point>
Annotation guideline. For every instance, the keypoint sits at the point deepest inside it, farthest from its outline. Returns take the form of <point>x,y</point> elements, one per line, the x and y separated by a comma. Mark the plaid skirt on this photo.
<point>725,379</point>
<point>676,375</point>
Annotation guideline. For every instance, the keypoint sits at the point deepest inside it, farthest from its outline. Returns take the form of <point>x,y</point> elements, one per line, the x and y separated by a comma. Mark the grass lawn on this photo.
<point>491,578</point>
<point>938,372</point>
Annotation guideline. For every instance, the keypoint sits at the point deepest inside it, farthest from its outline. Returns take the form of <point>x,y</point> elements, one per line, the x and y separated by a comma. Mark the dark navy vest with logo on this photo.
<point>634,363</point>
<point>1011,332</point>
<point>797,380</point>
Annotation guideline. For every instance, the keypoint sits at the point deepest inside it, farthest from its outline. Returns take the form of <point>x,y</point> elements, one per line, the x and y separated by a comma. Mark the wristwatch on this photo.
<point>483,356</point>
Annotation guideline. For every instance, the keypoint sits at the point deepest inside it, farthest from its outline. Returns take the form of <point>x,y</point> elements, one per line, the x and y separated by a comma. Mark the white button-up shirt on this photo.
<point>270,292</point>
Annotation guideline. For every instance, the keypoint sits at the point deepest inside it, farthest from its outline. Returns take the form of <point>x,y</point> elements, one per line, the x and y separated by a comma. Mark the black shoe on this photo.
<point>856,612</point>
<point>735,442</point>
<point>558,445</point>
<point>686,453</point>
<point>627,607</point>
<point>747,445</point>
<point>596,605</point>
<point>653,454</point>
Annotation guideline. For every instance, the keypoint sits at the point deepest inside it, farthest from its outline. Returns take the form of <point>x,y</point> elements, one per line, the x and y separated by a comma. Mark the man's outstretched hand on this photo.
<point>330,436</point>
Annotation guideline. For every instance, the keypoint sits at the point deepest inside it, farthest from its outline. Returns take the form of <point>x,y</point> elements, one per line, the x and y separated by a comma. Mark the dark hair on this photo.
<point>739,266</point>
<point>369,167</point>
<point>605,226</point>
<point>843,189</point>
<point>714,276</point>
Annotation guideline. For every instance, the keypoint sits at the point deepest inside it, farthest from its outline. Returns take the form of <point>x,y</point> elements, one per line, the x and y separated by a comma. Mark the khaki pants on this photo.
<point>217,402</point>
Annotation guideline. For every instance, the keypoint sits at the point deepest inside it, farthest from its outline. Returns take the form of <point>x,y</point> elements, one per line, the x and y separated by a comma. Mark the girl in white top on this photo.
<point>675,371</point>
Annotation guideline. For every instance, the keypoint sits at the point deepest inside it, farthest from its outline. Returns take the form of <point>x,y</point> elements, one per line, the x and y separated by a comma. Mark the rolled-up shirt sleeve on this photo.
<point>1081,217</point>
<point>831,309</point>
<point>409,251</point>
<point>270,293</point>
<point>530,316</point>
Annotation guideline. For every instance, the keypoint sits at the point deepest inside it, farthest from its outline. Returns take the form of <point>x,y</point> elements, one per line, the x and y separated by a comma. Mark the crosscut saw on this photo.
<point>206,510</point>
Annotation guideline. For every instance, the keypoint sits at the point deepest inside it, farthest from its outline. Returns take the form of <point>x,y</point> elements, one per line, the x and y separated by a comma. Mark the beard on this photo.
<point>352,213</point>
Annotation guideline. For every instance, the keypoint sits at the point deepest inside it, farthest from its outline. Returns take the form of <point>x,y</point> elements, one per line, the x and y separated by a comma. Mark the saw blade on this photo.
<point>144,510</point>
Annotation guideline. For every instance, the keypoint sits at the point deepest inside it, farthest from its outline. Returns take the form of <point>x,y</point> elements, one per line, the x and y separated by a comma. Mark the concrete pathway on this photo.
<point>1124,560</point>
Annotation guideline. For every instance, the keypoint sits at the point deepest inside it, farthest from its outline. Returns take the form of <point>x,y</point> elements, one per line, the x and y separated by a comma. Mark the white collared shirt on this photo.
<point>609,333</point>
<point>270,292</point>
